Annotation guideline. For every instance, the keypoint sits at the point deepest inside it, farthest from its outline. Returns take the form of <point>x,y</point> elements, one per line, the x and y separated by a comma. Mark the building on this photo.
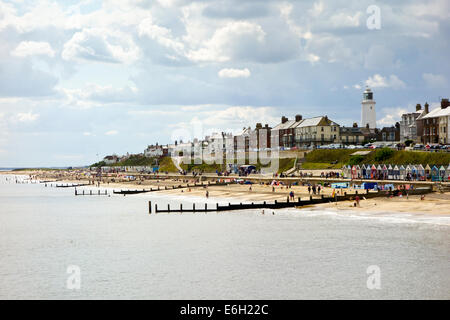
<point>315,131</point>
<point>408,125</point>
<point>389,134</point>
<point>111,159</point>
<point>283,133</point>
<point>368,115</point>
<point>351,135</point>
<point>435,124</point>
<point>251,139</point>
<point>156,151</point>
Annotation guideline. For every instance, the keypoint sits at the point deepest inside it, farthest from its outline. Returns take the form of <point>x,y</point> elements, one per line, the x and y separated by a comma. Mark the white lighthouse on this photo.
<point>368,115</point>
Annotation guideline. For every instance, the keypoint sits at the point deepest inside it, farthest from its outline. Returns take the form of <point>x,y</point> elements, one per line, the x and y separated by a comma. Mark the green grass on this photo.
<point>166,164</point>
<point>322,159</point>
<point>321,165</point>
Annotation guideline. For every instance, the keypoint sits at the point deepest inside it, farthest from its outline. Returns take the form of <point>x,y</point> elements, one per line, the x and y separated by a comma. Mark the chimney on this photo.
<point>355,125</point>
<point>266,126</point>
<point>426,108</point>
<point>444,103</point>
<point>258,125</point>
<point>284,119</point>
<point>418,107</point>
<point>298,118</point>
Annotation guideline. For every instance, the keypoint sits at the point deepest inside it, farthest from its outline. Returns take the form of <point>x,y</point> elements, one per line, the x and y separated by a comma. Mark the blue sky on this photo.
<point>83,79</point>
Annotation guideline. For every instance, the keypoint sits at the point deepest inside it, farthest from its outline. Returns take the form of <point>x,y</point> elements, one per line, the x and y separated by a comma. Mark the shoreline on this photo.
<point>434,204</point>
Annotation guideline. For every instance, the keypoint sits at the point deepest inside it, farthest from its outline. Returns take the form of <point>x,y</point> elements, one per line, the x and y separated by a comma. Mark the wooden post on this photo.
<point>90,192</point>
<point>193,207</point>
<point>156,208</point>
<point>310,198</point>
<point>181,208</point>
<point>287,199</point>
<point>217,207</point>
<point>206,207</point>
<point>149,207</point>
<point>168,207</point>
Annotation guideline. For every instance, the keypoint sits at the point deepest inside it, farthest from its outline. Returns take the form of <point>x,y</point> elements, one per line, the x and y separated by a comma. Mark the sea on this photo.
<point>55,245</point>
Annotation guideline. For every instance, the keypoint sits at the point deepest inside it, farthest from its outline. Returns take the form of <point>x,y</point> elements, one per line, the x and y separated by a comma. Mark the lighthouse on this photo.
<point>368,115</point>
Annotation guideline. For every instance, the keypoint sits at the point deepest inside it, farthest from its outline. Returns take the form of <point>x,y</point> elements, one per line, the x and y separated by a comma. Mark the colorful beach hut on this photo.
<point>402,172</point>
<point>373,172</point>
<point>408,172</point>
<point>420,172</point>
<point>390,172</point>
<point>354,172</point>
<point>396,172</point>
<point>414,172</point>
<point>434,173</point>
<point>447,173</point>
<point>363,171</point>
<point>442,173</point>
<point>379,172</point>
<point>385,172</point>
<point>427,172</point>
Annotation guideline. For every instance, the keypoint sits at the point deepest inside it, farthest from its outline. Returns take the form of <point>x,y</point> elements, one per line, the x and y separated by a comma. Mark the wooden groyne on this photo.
<point>91,193</point>
<point>195,185</point>
<point>71,185</point>
<point>283,204</point>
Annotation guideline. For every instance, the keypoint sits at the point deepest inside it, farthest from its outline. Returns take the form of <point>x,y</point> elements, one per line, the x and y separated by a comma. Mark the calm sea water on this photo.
<point>125,253</point>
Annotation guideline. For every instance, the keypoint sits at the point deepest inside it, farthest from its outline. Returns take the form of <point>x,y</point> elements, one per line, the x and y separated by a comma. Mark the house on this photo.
<point>351,135</point>
<point>248,139</point>
<point>435,124</point>
<point>389,133</point>
<point>111,159</point>
<point>409,125</point>
<point>315,131</point>
<point>282,135</point>
<point>156,151</point>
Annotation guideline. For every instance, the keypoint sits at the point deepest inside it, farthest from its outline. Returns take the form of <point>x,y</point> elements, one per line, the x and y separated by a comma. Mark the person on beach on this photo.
<point>207,194</point>
<point>309,189</point>
<point>357,200</point>
<point>318,189</point>
<point>314,189</point>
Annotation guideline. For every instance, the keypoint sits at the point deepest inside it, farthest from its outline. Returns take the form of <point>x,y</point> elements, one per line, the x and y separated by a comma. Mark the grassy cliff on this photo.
<point>334,159</point>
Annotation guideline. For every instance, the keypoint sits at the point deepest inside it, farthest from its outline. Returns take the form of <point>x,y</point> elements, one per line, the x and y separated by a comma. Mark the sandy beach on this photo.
<point>434,203</point>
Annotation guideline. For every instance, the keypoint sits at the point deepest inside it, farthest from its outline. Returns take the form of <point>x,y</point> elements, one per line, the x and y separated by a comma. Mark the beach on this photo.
<point>434,203</point>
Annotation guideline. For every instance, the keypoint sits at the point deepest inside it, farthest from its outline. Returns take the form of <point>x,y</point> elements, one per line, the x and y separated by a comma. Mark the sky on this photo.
<point>80,80</point>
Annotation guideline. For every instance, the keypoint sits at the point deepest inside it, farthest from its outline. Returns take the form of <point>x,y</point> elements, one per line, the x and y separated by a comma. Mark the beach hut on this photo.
<point>408,172</point>
<point>420,172</point>
<point>434,173</point>
<point>379,172</point>
<point>354,172</point>
<point>390,172</point>
<point>447,173</point>
<point>358,171</point>
<point>414,172</point>
<point>363,171</point>
<point>385,172</point>
<point>427,172</point>
<point>442,173</point>
<point>373,172</point>
<point>396,173</point>
<point>402,172</point>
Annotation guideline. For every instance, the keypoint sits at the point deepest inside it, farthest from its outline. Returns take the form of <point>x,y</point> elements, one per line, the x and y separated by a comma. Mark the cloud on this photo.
<point>31,48</point>
<point>234,73</point>
<point>101,45</point>
<point>111,132</point>
<point>435,80</point>
<point>25,117</point>
<point>378,81</point>
<point>390,116</point>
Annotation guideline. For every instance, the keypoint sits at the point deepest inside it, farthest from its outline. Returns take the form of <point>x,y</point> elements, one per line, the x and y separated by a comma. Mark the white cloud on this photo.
<point>102,45</point>
<point>30,48</point>
<point>234,73</point>
<point>25,117</point>
<point>390,116</point>
<point>111,132</point>
<point>378,81</point>
<point>435,80</point>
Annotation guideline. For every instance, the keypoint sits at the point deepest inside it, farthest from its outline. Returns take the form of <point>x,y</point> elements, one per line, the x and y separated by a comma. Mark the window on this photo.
<point>321,129</point>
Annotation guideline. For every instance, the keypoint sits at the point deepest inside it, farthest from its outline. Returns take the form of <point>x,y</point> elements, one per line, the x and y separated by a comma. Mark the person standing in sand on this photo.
<point>207,194</point>
<point>357,200</point>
